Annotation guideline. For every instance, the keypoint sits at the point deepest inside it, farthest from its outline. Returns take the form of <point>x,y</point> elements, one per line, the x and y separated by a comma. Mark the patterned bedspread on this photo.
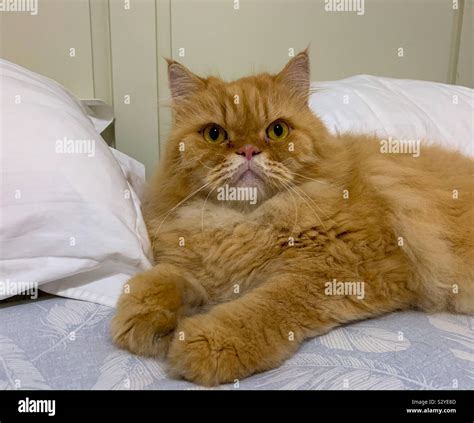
<point>57,343</point>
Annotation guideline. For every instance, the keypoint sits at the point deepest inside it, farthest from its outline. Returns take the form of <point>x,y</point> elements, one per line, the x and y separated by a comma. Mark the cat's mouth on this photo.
<point>247,175</point>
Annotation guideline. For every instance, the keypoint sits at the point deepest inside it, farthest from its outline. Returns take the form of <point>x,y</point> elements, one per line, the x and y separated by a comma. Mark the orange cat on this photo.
<point>268,230</point>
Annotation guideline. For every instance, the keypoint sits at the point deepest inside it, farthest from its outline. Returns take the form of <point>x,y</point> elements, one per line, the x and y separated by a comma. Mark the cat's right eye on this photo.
<point>214,134</point>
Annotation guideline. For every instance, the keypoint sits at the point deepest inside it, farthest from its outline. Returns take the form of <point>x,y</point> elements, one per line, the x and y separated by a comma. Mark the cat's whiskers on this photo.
<point>282,177</point>
<point>286,160</point>
<point>229,171</point>
<point>319,181</point>
<point>281,166</point>
<point>190,152</point>
<point>294,203</point>
<point>304,200</point>
<point>282,170</point>
<point>207,167</point>
<point>174,208</point>
<point>221,174</point>
<point>222,166</point>
<point>275,169</point>
<point>312,201</point>
<point>204,204</point>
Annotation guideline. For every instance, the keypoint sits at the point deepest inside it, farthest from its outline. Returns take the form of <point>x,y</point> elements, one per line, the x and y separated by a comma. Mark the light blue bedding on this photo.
<point>57,343</point>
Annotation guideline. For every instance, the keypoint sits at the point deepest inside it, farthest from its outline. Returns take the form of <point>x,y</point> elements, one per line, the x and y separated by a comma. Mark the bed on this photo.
<point>59,343</point>
<point>55,334</point>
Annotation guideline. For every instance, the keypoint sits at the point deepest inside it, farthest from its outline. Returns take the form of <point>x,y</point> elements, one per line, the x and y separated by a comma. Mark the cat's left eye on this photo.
<point>278,130</point>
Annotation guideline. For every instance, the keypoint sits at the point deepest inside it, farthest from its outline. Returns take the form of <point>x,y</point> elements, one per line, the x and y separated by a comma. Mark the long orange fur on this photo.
<point>236,288</point>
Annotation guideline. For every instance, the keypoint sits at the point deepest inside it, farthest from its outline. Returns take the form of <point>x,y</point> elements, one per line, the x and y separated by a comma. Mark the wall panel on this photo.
<point>465,69</point>
<point>44,42</point>
<point>135,91</point>
<point>218,38</point>
<point>119,47</point>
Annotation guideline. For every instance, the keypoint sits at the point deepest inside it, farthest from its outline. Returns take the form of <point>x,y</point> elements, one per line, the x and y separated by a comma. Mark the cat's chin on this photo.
<point>245,193</point>
<point>249,179</point>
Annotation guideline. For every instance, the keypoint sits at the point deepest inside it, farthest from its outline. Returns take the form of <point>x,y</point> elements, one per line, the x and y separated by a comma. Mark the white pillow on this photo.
<point>400,108</point>
<point>133,170</point>
<point>70,221</point>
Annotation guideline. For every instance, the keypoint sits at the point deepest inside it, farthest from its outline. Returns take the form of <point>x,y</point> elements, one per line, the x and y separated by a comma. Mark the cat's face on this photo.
<point>255,134</point>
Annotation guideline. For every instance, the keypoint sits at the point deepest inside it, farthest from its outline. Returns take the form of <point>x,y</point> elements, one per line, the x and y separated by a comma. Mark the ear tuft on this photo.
<point>296,75</point>
<point>182,81</point>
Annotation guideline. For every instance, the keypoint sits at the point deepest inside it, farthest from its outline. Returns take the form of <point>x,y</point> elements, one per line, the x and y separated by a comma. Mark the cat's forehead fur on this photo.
<point>254,100</point>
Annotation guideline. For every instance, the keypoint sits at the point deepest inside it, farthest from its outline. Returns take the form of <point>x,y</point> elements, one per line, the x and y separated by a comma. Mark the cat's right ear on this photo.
<point>182,81</point>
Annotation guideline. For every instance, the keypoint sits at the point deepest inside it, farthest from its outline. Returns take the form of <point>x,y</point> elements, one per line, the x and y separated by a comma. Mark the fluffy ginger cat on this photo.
<point>239,285</point>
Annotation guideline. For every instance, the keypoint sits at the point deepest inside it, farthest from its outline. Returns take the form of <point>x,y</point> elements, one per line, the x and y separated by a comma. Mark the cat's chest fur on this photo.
<point>232,250</point>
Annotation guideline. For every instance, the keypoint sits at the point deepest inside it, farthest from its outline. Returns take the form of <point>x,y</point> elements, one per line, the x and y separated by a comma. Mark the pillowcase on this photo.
<point>133,170</point>
<point>70,220</point>
<point>398,108</point>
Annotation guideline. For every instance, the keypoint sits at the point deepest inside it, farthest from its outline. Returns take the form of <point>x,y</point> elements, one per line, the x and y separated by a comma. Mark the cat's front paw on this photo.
<point>146,316</point>
<point>143,333</point>
<point>206,351</point>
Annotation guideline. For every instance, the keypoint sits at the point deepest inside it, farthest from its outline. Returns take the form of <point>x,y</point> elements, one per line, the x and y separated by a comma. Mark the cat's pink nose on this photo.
<point>248,151</point>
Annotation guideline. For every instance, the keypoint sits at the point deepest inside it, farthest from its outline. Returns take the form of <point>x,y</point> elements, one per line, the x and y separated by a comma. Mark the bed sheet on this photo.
<point>58,343</point>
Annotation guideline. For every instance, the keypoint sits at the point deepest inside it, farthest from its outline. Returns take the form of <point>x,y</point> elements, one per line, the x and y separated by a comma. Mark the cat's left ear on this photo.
<point>296,74</point>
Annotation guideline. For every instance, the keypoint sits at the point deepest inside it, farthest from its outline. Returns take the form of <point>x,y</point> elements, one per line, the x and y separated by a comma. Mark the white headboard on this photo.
<point>113,49</point>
